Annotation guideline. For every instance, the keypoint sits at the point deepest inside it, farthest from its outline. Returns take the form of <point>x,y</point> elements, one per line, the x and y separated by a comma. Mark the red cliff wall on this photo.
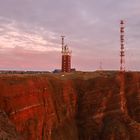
<point>85,106</point>
<point>41,107</point>
<point>100,115</point>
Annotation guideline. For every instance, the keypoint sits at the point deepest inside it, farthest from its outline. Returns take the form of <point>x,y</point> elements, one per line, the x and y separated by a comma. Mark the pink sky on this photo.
<point>30,33</point>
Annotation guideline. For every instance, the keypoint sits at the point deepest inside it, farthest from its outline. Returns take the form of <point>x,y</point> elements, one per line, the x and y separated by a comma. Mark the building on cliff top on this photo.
<point>66,57</point>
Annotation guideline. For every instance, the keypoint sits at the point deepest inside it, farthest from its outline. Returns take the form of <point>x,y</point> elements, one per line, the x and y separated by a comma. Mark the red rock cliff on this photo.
<point>41,107</point>
<point>80,106</point>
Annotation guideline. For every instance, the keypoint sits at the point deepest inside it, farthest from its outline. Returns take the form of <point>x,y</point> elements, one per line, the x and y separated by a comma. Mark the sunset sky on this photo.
<point>30,33</point>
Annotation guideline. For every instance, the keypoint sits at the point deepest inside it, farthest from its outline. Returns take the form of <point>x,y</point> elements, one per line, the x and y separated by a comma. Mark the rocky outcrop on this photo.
<point>7,129</point>
<point>77,106</point>
<point>100,115</point>
<point>41,107</point>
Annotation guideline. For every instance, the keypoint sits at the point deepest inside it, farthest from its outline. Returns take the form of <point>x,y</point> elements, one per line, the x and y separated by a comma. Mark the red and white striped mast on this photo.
<point>122,69</point>
<point>122,51</point>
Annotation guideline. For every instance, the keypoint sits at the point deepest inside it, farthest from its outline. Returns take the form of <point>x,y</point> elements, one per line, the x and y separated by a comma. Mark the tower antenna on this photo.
<point>62,42</point>
<point>122,51</point>
<point>122,70</point>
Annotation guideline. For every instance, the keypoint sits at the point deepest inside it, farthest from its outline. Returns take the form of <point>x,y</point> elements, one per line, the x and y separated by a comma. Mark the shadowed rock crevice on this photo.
<point>99,114</point>
<point>114,129</point>
<point>7,128</point>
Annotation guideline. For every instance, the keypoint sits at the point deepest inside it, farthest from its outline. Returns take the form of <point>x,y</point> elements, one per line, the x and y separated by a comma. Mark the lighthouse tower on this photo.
<point>66,57</point>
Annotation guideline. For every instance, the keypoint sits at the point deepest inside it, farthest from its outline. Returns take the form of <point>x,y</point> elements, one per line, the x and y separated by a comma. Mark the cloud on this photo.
<point>12,37</point>
<point>91,29</point>
<point>31,50</point>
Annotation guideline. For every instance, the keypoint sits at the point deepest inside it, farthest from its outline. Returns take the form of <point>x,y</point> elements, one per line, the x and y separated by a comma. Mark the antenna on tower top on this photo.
<point>62,43</point>
<point>122,52</point>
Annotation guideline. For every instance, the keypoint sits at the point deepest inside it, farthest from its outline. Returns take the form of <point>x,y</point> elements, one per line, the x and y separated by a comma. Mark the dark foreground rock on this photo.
<point>7,128</point>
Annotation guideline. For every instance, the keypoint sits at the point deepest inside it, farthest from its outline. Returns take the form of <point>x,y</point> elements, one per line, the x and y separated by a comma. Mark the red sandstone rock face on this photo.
<point>85,106</point>
<point>42,108</point>
<point>100,116</point>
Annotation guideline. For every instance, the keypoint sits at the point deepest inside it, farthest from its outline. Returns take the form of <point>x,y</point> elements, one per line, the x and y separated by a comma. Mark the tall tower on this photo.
<point>122,52</point>
<point>66,57</point>
<point>123,105</point>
